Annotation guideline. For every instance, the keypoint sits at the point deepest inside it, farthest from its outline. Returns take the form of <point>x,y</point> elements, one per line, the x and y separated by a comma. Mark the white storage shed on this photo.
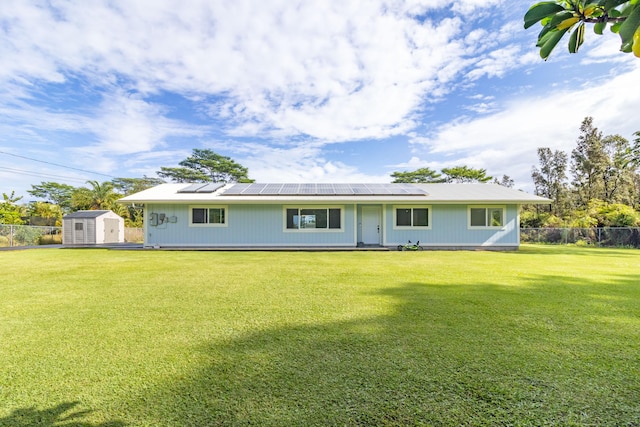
<point>92,228</point>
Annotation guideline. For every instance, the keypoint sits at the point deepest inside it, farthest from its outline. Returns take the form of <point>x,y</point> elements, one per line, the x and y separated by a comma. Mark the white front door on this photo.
<point>371,225</point>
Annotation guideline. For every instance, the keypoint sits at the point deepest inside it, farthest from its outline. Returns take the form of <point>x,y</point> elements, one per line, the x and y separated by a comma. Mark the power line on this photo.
<point>39,174</point>
<point>56,164</point>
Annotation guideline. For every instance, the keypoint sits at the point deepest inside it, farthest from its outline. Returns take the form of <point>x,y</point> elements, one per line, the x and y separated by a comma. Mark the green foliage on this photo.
<point>604,170</point>
<point>43,213</point>
<point>532,219</point>
<point>206,166</point>
<point>560,17</point>
<point>550,180</point>
<point>99,196</point>
<point>459,174</point>
<point>10,211</point>
<point>54,192</point>
<point>603,214</point>
<point>505,181</point>
<point>50,239</point>
<point>589,161</point>
<point>127,186</point>
<point>462,174</point>
<point>422,175</point>
<point>619,215</point>
<point>26,236</point>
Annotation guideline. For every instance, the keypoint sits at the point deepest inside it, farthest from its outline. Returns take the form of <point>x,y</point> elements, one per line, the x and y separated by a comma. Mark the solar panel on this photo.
<point>271,190</point>
<point>378,189</point>
<point>412,190</point>
<point>307,189</point>
<point>202,187</point>
<point>254,189</point>
<point>236,190</point>
<point>289,189</point>
<point>311,189</point>
<point>191,188</point>
<point>360,189</point>
<point>342,189</point>
<point>211,187</point>
<point>325,189</point>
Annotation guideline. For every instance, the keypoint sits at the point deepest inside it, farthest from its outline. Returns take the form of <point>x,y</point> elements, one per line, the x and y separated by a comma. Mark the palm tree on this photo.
<point>99,196</point>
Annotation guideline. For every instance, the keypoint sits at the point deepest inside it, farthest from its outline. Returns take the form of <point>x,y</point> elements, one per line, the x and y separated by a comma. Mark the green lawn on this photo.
<point>548,335</point>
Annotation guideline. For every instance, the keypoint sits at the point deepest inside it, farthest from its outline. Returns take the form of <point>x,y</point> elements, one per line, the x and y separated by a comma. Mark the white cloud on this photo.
<point>505,142</point>
<point>338,70</point>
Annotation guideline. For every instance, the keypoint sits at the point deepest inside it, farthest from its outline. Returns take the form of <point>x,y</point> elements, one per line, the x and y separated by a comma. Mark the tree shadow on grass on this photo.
<point>447,355</point>
<point>62,415</point>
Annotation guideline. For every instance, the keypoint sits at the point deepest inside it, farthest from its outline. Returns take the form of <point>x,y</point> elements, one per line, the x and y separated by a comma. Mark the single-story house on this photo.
<point>440,216</point>
<point>92,228</point>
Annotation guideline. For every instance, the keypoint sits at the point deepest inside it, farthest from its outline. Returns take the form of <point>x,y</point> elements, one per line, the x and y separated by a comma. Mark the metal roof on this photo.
<point>423,193</point>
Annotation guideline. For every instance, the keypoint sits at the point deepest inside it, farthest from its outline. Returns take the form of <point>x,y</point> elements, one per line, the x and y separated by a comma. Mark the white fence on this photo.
<point>29,235</point>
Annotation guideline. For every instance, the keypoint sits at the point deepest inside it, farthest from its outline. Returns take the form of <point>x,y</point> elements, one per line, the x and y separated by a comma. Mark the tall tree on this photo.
<point>505,181</point>
<point>560,17</point>
<point>589,161</point>
<point>206,166</point>
<point>422,175</point>
<point>618,172</point>
<point>463,174</point>
<point>550,180</point>
<point>99,196</point>
<point>59,194</point>
<point>128,186</point>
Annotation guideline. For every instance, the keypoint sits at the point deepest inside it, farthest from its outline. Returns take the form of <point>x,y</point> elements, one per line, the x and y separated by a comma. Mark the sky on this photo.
<point>295,90</point>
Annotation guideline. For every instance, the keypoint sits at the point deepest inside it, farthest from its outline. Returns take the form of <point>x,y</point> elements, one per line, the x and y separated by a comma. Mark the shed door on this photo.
<point>78,232</point>
<point>371,228</point>
<point>111,230</point>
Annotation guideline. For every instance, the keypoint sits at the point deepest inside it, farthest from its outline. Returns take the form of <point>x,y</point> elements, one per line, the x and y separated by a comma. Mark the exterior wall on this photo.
<point>449,229</point>
<point>72,237</point>
<point>246,225</point>
<point>264,226</point>
<point>103,228</point>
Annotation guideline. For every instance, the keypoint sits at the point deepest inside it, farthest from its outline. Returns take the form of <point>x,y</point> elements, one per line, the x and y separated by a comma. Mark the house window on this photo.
<point>486,216</point>
<point>313,218</point>
<point>208,216</point>
<point>412,216</point>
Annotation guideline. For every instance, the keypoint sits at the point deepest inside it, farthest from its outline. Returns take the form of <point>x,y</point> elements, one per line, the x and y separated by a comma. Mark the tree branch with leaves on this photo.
<point>560,17</point>
<point>206,166</point>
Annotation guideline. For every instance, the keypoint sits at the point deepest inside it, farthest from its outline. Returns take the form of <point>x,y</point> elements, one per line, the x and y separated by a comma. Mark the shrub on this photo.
<point>50,240</point>
<point>27,235</point>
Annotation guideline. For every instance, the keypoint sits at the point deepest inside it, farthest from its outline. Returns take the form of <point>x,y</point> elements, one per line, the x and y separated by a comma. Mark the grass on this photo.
<point>548,335</point>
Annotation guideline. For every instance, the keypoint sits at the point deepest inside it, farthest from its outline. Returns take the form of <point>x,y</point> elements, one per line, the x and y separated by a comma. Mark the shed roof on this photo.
<point>424,193</point>
<point>85,214</point>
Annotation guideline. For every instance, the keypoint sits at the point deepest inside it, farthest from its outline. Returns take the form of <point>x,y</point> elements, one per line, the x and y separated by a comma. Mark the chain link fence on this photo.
<point>628,237</point>
<point>29,235</point>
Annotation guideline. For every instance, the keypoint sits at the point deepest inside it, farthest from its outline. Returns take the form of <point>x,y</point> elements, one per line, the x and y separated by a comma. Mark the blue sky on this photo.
<point>297,91</point>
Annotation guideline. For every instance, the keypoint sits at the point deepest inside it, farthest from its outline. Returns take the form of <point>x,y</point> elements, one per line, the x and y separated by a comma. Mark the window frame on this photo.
<point>487,217</point>
<point>313,230</point>
<point>224,208</point>
<point>412,227</point>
